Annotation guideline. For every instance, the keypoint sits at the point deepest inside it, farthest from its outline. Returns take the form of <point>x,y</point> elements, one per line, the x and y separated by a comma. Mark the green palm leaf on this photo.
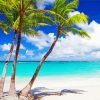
<point>4,27</point>
<point>30,32</point>
<point>76,19</point>
<point>79,32</point>
<point>73,4</point>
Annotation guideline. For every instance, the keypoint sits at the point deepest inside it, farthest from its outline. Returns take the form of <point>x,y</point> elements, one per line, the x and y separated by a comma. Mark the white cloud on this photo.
<point>72,47</point>
<point>41,41</point>
<point>74,13</point>
<point>93,29</point>
<point>21,57</point>
<point>6,47</point>
<point>22,47</point>
<point>29,52</point>
<point>43,3</point>
<point>95,54</point>
<point>28,55</point>
<point>75,47</point>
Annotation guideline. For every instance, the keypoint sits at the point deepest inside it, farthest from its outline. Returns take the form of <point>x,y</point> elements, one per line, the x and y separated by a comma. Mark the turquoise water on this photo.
<point>55,68</point>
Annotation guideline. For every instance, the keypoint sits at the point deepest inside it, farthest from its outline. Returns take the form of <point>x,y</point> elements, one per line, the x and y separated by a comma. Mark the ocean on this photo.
<point>55,68</point>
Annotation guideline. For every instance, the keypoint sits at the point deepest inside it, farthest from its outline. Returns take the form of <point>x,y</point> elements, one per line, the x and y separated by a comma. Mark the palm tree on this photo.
<point>64,24</point>
<point>9,9</point>
<point>6,10</point>
<point>2,80</point>
<point>27,20</point>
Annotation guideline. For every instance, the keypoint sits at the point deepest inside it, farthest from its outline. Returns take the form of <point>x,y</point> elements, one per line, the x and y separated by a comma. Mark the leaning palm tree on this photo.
<point>8,25</point>
<point>2,80</point>
<point>9,10</point>
<point>19,24</point>
<point>26,22</point>
<point>64,24</point>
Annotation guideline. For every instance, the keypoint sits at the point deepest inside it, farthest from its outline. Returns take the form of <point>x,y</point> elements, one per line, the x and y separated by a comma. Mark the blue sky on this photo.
<point>72,48</point>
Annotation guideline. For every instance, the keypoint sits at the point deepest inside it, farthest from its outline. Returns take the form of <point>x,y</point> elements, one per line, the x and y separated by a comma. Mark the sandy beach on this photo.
<point>62,88</point>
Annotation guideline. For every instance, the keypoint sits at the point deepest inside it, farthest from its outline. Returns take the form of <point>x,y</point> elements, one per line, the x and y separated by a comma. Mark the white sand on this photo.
<point>83,88</point>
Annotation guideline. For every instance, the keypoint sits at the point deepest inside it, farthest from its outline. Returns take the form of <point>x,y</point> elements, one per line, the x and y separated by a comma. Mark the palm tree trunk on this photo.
<point>12,90</point>
<point>25,91</point>
<point>2,80</point>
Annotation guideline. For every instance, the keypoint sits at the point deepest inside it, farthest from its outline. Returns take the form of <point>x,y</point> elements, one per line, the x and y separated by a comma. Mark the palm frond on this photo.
<point>4,27</point>
<point>30,32</point>
<point>4,5</point>
<point>79,32</point>
<point>76,19</point>
<point>73,4</point>
<point>58,4</point>
<point>16,23</point>
<point>40,24</point>
<point>64,32</point>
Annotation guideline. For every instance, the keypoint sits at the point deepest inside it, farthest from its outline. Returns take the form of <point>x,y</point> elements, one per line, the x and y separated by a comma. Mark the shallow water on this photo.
<point>25,69</point>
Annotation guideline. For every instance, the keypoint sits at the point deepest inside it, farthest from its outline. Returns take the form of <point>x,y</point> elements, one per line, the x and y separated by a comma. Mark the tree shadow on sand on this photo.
<point>40,92</point>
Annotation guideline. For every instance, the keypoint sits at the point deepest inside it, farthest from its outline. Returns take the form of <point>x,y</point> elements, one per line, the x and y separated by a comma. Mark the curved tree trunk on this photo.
<point>12,90</point>
<point>25,91</point>
<point>2,80</point>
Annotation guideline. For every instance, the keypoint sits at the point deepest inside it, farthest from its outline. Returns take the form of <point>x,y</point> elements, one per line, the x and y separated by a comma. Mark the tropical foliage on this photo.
<point>22,17</point>
<point>64,24</point>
